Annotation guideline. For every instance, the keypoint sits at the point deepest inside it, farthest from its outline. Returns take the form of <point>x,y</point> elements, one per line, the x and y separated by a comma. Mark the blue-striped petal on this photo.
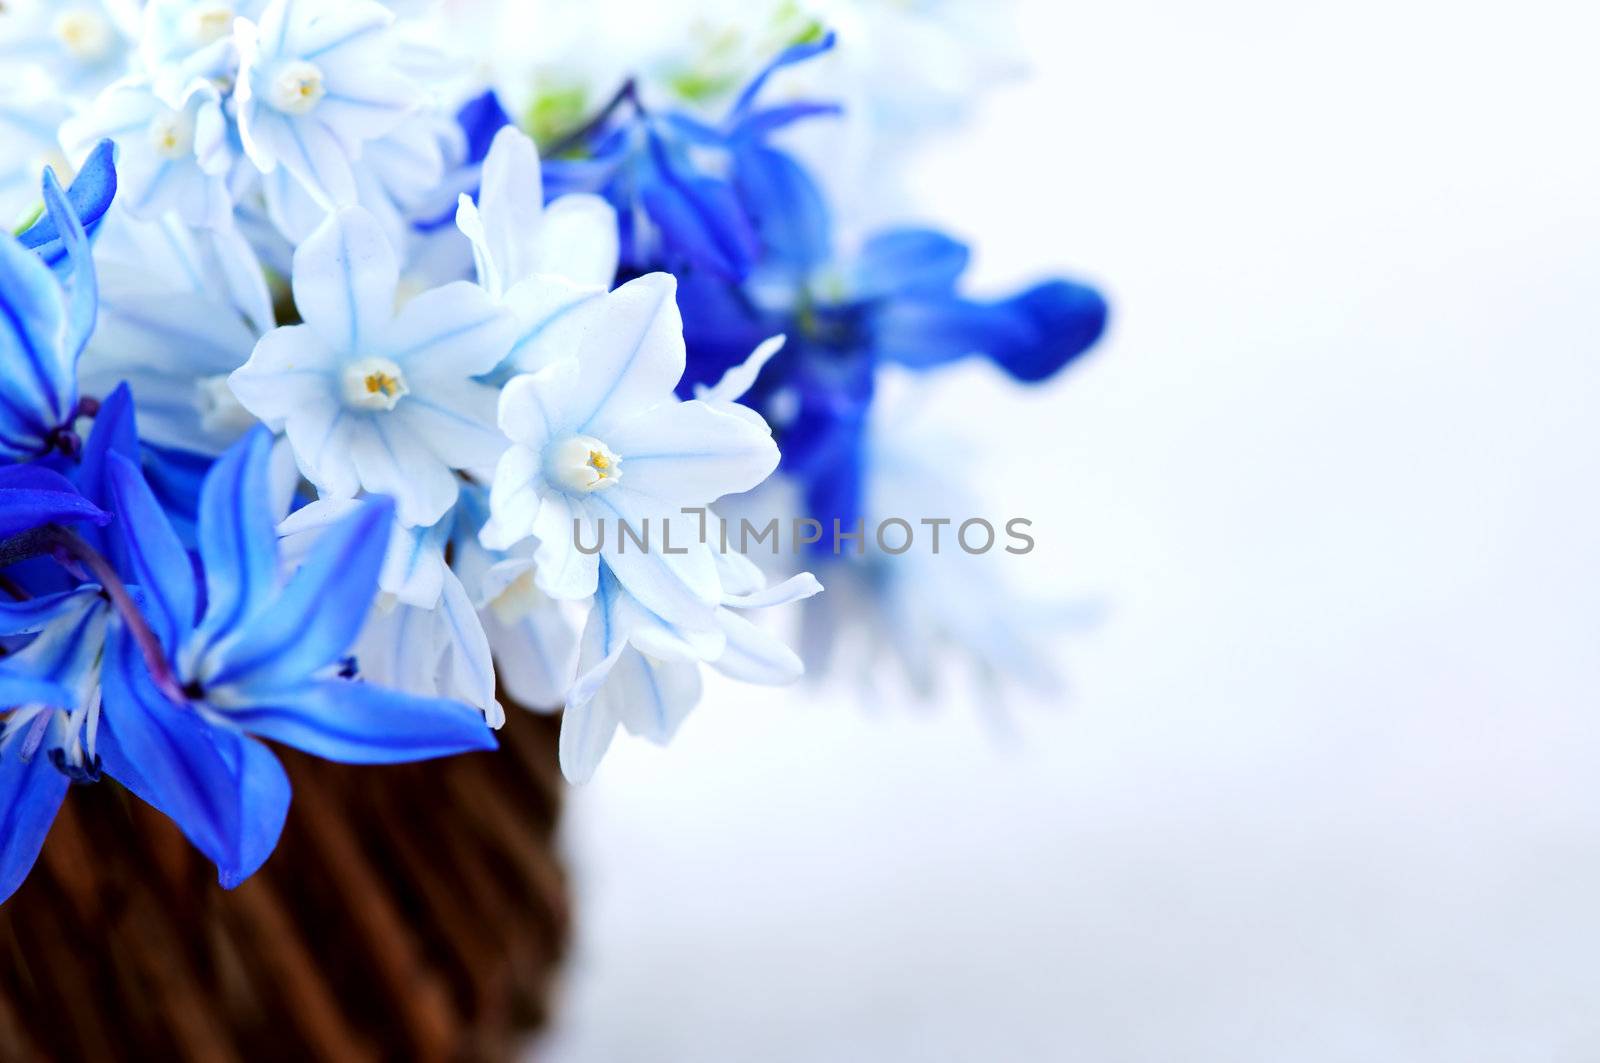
<point>156,558</point>
<point>31,792</point>
<point>238,541</point>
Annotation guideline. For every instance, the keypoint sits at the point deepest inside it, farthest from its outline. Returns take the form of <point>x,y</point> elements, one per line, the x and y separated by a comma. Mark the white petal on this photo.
<point>394,462</point>
<point>565,571</point>
<point>691,453</point>
<point>455,420</point>
<point>586,733</point>
<point>511,202</point>
<point>681,588</point>
<point>553,317</point>
<point>578,241</point>
<point>514,499</point>
<point>754,655</point>
<point>742,377</point>
<point>451,332</point>
<point>793,589</point>
<point>632,356</point>
<point>533,406</point>
<point>649,697</point>
<point>345,276</point>
<point>536,657</point>
<point>290,373</point>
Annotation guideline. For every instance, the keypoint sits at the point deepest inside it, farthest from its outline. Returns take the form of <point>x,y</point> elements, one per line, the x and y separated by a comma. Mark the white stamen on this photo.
<point>374,384</point>
<point>296,87</point>
<point>582,464</point>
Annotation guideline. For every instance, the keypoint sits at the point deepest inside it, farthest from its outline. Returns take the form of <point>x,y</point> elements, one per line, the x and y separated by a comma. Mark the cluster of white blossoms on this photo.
<point>456,345</point>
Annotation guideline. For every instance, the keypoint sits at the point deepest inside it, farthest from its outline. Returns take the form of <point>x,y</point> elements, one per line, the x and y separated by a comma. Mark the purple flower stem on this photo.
<point>68,542</point>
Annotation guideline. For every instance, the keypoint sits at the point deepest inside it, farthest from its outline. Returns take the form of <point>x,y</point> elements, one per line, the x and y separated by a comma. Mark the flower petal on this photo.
<point>692,453</point>
<point>156,558</point>
<point>31,792</point>
<point>238,545</point>
<point>345,276</point>
<point>631,357</point>
<point>362,723</point>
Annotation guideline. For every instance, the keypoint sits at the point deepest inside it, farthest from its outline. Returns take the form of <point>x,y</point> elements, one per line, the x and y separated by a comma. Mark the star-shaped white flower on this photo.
<point>168,158</point>
<point>547,264</point>
<point>602,442</point>
<point>372,399</point>
<point>317,79</point>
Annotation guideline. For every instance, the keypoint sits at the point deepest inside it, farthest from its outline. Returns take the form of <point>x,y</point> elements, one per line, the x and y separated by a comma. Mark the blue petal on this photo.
<point>83,294</point>
<point>480,118</point>
<point>238,541</point>
<point>31,496</point>
<point>156,559</point>
<point>361,723</point>
<point>115,432</point>
<point>320,611</point>
<point>171,757</point>
<point>907,262</point>
<point>1067,320</point>
<point>1030,335</point>
<point>797,53</point>
<point>39,389</point>
<point>786,207</point>
<point>31,793</point>
<point>263,803</point>
<point>90,196</point>
<point>701,219</point>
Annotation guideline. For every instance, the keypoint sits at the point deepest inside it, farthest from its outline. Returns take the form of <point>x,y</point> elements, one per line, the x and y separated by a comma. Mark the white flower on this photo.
<point>80,45</point>
<point>602,442</point>
<point>370,398</point>
<point>396,175</point>
<point>316,80</point>
<point>641,672</point>
<point>30,115</point>
<point>180,309</point>
<point>168,158</point>
<point>422,635</point>
<point>181,40</point>
<point>548,264</point>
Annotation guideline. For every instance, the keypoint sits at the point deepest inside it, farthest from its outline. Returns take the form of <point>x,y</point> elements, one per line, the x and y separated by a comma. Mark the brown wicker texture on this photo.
<point>410,912</point>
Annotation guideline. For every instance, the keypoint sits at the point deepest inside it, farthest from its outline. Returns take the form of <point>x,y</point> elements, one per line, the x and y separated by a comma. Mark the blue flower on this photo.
<point>261,658</point>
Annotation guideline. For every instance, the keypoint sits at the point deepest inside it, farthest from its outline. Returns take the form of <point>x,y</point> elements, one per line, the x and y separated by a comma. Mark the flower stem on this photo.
<point>66,541</point>
<point>628,93</point>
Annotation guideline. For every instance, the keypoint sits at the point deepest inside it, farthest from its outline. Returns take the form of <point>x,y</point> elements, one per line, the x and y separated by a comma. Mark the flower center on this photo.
<point>172,135</point>
<point>374,384</point>
<point>582,464</point>
<point>85,34</point>
<point>207,23</point>
<point>296,87</point>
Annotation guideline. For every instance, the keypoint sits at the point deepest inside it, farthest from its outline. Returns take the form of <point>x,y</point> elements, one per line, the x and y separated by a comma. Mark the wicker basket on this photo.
<point>409,912</point>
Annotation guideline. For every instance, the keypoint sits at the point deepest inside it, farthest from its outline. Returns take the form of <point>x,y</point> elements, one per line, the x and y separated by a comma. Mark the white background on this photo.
<point>1327,782</point>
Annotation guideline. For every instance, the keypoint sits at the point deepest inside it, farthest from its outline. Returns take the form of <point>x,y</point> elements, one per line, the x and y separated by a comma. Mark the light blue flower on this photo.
<point>373,399</point>
<point>29,121</point>
<point>641,672</point>
<point>180,309</point>
<point>170,158</point>
<point>317,79</point>
<point>547,264</point>
<point>422,635</point>
<point>42,331</point>
<point>80,45</point>
<point>260,660</point>
<point>602,441</point>
<point>181,40</point>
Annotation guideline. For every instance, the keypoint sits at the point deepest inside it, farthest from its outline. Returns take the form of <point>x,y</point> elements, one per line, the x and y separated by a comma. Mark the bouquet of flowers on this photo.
<point>365,368</point>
